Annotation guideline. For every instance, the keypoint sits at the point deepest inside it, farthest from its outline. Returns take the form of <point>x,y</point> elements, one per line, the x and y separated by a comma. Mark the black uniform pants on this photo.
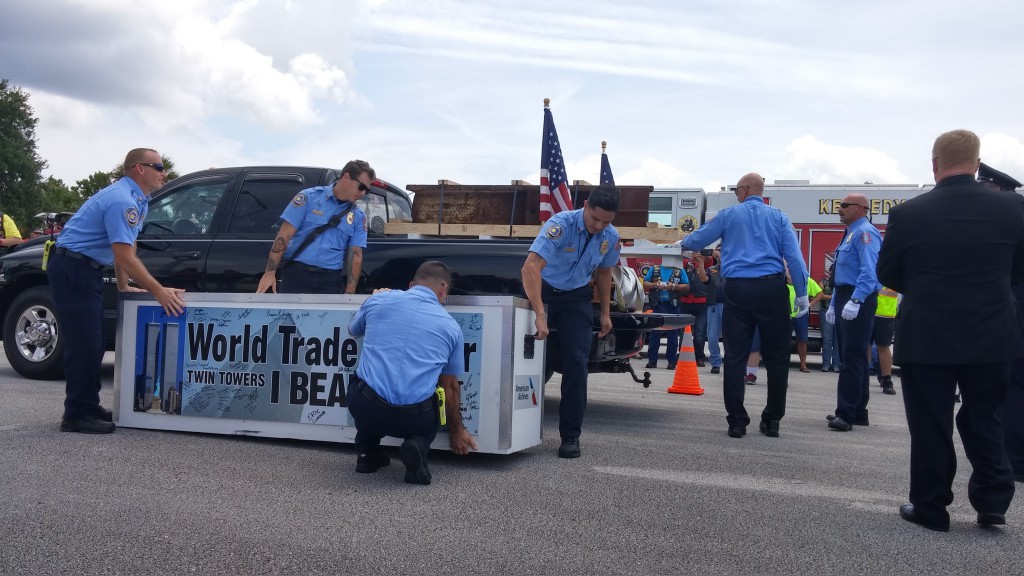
<point>854,337</point>
<point>761,303</point>
<point>77,288</point>
<point>375,418</point>
<point>1012,413</point>
<point>301,278</point>
<point>928,396</point>
<point>571,320</point>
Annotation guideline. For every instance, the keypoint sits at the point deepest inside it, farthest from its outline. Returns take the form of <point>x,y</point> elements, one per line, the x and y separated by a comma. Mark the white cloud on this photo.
<point>1004,153</point>
<point>821,163</point>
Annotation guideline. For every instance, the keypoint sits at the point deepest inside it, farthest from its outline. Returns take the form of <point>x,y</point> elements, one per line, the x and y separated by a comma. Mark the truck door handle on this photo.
<point>193,255</point>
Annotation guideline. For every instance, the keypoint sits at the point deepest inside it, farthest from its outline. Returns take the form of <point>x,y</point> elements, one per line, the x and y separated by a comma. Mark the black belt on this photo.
<point>65,252</point>
<point>845,288</point>
<point>550,288</point>
<point>370,394</point>
<point>776,276</point>
<point>315,269</point>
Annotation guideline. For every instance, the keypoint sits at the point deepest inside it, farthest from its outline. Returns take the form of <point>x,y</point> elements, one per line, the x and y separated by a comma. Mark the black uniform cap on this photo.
<point>987,173</point>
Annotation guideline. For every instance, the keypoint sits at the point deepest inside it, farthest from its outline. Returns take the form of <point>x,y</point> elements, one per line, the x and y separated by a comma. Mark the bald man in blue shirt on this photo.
<point>102,232</point>
<point>410,345</point>
<point>757,243</point>
<point>572,247</point>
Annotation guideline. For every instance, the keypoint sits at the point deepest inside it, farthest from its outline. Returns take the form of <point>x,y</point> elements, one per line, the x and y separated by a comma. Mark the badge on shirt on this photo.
<point>300,199</point>
<point>318,212</point>
<point>131,216</point>
<point>604,247</point>
<point>865,237</point>
<point>554,232</point>
<point>350,218</point>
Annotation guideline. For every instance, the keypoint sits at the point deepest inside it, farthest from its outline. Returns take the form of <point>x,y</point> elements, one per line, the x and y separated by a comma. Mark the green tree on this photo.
<point>20,165</point>
<point>57,197</point>
<point>92,184</point>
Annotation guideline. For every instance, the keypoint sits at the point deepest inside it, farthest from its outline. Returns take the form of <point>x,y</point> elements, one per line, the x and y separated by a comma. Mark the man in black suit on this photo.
<point>1012,411</point>
<point>930,255</point>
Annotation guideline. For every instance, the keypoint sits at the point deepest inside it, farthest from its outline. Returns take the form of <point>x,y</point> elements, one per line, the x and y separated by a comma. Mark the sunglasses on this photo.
<point>848,204</point>
<point>363,187</point>
<point>154,165</point>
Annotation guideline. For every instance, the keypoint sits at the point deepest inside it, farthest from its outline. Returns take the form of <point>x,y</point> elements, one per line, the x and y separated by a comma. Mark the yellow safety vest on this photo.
<point>886,303</point>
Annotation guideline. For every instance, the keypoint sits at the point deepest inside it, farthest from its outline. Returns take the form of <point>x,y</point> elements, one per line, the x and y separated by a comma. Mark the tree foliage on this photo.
<point>57,197</point>
<point>20,165</point>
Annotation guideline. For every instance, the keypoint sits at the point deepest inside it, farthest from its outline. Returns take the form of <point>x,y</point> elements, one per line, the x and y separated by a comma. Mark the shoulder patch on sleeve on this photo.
<point>865,237</point>
<point>554,232</point>
<point>300,199</point>
<point>131,216</point>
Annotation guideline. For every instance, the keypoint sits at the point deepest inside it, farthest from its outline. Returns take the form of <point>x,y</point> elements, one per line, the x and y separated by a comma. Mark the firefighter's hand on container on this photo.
<point>851,310</point>
<point>830,314</point>
<point>803,306</point>
<point>542,327</point>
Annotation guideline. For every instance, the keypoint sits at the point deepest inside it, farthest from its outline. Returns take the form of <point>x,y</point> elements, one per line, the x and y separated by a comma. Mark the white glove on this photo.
<point>851,310</point>
<point>803,306</point>
<point>830,314</point>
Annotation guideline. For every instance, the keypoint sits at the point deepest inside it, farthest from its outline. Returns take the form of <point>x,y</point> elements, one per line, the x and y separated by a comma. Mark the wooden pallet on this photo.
<point>656,235</point>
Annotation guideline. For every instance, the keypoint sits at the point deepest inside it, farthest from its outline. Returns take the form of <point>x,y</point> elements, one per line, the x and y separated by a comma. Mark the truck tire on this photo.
<point>32,336</point>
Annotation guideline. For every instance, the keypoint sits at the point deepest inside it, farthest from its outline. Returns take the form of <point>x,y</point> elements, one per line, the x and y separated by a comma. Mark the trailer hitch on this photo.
<point>646,379</point>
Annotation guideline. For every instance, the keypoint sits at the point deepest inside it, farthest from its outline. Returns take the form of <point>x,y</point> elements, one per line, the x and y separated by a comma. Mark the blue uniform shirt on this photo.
<point>312,208</point>
<point>409,341</point>
<point>668,275</point>
<point>857,257</point>
<point>112,215</point>
<point>571,253</point>
<point>756,238</point>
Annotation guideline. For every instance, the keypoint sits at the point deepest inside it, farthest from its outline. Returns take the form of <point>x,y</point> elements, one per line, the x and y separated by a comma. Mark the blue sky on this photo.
<point>687,93</point>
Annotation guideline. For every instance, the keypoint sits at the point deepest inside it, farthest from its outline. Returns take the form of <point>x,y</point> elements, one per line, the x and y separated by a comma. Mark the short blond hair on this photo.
<point>957,147</point>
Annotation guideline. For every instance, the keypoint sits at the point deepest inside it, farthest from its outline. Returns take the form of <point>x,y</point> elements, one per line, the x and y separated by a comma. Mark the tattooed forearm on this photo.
<point>275,253</point>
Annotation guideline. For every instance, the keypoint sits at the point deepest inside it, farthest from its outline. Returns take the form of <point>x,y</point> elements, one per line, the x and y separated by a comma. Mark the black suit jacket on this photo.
<point>953,253</point>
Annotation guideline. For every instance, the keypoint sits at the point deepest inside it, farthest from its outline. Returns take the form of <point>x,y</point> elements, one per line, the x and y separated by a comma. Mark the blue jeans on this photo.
<point>654,337</point>
<point>829,345</point>
<point>715,333</point>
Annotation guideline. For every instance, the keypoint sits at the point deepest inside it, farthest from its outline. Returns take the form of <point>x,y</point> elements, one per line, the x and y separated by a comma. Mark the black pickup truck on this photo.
<point>211,231</point>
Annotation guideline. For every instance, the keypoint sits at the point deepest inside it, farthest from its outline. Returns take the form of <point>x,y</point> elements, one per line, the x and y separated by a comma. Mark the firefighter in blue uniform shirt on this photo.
<point>318,266</point>
<point>388,397</point>
<point>573,246</point>
<point>757,242</point>
<point>1012,413</point>
<point>852,308</point>
<point>102,232</point>
<point>665,285</point>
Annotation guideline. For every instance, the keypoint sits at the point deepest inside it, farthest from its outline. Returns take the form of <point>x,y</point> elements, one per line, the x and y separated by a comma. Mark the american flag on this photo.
<point>554,188</point>
<point>606,171</point>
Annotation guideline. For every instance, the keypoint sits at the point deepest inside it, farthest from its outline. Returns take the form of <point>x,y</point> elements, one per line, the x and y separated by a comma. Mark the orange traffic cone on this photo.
<point>686,380</point>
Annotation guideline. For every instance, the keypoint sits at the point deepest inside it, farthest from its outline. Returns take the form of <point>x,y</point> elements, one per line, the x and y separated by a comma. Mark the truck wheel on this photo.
<point>32,337</point>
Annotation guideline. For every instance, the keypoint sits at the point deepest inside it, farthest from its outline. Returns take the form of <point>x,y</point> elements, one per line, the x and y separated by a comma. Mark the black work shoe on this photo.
<point>414,456</point>
<point>715,369</point>
<point>700,363</point>
<point>887,387</point>
<point>651,365</point>
<point>858,422</point>
<point>908,513</point>
<point>837,423</point>
<point>368,463</point>
<point>769,428</point>
<point>570,448</point>
<point>991,519</point>
<point>104,414</point>
<point>737,431</point>
<point>87,425</point>
<point>671,365</point>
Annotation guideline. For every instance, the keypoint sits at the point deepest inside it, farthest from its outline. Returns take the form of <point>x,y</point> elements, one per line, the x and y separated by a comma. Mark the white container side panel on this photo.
<point>279,365</point>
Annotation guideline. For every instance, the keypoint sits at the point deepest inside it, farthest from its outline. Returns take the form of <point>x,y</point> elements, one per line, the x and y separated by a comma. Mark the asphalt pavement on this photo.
<point>660,489</point>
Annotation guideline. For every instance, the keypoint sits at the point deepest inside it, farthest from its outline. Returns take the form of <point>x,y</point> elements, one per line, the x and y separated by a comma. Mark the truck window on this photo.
<point>660,210</point>
<point>187,210</point>
<point>399,206</point>
<point>259,205</point>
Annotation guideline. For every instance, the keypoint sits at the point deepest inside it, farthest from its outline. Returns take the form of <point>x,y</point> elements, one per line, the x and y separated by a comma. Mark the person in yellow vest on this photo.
<point>801,324</point>
<point>882,335</point>
<point>9,233</point>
